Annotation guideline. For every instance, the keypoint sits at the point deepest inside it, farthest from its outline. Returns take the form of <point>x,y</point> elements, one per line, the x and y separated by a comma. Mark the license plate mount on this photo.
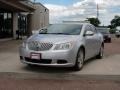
<point>36,56</point>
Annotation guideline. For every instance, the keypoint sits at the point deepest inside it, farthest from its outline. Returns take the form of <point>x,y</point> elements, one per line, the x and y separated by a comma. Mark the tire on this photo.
<point>101,53</point>
<point>109,40</point>
<point>79,60</point>
<point>117,36</point>
<point>31,65</point>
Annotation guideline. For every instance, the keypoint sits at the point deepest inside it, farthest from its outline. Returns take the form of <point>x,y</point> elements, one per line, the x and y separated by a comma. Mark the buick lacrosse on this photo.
<point>63,45</point>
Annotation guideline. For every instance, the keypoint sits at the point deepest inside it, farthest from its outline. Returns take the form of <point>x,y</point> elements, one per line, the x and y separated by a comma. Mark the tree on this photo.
<point>94,21</point>
<point>115,22</point>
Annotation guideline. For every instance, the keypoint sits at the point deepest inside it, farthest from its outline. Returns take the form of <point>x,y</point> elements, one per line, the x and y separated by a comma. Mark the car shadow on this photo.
<point>52,70</point>
<point>91,60</point>
<point>45,69</point>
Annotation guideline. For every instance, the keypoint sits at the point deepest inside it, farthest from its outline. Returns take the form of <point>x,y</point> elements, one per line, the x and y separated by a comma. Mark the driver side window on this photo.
<point>87,28</point>
<point>89,31</point>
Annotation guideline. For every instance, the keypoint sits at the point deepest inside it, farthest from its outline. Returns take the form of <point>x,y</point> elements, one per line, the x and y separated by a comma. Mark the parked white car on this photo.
<point>63,45</point>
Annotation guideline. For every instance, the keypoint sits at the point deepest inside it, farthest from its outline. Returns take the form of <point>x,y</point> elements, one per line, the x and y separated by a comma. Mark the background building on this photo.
<point>40,17</point>
<point>22,15</point>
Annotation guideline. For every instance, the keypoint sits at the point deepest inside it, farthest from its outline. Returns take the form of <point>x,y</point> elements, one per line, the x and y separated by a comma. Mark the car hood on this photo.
<point>53,38</point>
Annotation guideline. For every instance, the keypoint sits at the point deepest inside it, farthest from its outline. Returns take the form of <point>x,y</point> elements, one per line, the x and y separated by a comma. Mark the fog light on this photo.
<point>61,61</point>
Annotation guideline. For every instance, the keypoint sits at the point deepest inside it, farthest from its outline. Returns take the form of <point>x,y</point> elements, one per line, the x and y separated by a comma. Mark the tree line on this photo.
<point>114,22</point>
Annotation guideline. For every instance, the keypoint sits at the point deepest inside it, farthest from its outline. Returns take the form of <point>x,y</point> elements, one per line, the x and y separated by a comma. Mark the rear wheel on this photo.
<point>80,60</point>
<point>101,53</point>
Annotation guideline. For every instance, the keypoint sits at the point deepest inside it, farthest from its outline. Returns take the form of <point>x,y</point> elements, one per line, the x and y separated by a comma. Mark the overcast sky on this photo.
<point>61,10</point>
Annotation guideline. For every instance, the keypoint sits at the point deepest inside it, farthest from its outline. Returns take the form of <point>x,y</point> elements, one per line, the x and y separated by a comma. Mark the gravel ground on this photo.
<point>19,84</point>
<point>112,48</point>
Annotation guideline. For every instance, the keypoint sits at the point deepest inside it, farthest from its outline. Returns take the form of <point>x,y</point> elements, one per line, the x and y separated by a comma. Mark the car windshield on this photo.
<point>104,31</point>
<point>63,29</point>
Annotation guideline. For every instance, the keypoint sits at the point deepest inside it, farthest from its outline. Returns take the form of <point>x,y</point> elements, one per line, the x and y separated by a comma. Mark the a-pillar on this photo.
<point>29,24</point>
<point>15,24</point>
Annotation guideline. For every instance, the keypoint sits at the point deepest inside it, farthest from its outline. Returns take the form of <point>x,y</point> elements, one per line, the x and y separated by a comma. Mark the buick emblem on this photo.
<point>37,45</point>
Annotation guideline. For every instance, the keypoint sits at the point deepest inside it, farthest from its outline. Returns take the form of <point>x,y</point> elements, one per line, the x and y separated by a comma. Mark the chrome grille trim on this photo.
<point>39,46</point>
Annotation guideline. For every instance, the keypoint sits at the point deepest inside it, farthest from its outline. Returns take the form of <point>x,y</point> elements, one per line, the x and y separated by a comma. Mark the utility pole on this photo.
<point>34,2</point>
<point>97,11</point>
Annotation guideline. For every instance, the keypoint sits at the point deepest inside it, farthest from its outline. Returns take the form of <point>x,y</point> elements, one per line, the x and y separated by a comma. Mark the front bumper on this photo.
<point>58,58</point>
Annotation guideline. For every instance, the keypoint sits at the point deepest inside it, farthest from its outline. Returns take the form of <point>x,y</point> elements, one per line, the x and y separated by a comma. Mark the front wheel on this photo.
<point>101,53</point>
<point>31,65</point>
<point>117,36</point>
<point>79,60</point>
<point>109,40</point>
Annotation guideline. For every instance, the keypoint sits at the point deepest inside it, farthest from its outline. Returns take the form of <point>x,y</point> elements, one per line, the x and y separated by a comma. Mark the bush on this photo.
<point>112,31</point>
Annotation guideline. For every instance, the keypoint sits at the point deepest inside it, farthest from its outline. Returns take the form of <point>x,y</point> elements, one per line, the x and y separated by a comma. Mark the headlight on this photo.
<point>63,46</point>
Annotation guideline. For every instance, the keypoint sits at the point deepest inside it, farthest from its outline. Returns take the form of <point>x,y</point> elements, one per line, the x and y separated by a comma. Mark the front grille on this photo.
<point>39,46</point>
<point>41,61</point>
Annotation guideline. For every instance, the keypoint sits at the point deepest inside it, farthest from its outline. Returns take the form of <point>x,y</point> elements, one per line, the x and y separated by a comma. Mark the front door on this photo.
<point>90,43</point>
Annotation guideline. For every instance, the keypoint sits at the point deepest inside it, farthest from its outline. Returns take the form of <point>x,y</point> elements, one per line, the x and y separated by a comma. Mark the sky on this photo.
<point>79,10</point>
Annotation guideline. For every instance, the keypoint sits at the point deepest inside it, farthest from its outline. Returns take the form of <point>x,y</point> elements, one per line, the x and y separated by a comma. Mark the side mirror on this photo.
<point>89,33</point>
<point>35,32</point>
<point>43,31</point>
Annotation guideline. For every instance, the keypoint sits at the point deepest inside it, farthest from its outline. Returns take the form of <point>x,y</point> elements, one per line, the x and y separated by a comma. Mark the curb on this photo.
<point>58,76</point>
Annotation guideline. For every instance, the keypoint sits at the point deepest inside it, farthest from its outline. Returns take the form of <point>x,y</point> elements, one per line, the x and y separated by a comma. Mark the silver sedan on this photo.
<point>63,45</point>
